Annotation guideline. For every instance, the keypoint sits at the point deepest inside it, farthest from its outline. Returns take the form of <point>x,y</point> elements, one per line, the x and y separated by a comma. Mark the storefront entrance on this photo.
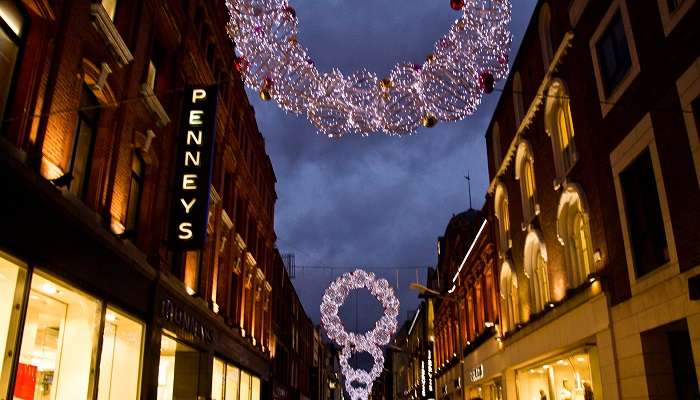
<point>567,377</point>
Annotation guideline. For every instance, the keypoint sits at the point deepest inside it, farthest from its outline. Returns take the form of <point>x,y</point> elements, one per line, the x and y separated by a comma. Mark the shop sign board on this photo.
<point>185,323</point>
<point>194,160</point>
<point>427,378</point>
<point>476,373</point>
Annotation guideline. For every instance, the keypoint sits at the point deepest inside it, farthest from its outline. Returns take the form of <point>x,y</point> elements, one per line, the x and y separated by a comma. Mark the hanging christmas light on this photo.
<point>448,86</point>
<point>358,382</point>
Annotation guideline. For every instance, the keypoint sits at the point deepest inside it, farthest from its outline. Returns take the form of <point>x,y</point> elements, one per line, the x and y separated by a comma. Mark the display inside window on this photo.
<point>178,370</point>
<point>225,381</point>
<point>120,363</point>
<point>486,391</point>
<point>565,378</point>
<point>11,30</point>
<point>12,278</point>
<point>58,343</point>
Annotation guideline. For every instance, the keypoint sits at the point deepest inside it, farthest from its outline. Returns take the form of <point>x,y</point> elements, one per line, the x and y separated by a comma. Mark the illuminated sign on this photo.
<point>190,207</point>
<point>477,373</point>
<point>427,376</point>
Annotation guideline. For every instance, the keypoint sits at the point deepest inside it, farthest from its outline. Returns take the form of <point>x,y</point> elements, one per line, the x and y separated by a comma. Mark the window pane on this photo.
<point>565,378</point>
<point>12,16</point>
<point>58,342</point>
<point>232,382</point>
<point>643,212</point>
<point>217,380</point>
<point>178,370</point>
<point>255,392</point>
<point>110,6</point>
<point>613,54</point>
<point>8,57</point>
<point>120,363</point>
<point>245,386</point>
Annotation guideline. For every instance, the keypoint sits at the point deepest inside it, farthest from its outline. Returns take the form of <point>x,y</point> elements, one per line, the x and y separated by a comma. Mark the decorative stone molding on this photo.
<point>240,247</point>
<point>150,100</point>
<point>105,27</point>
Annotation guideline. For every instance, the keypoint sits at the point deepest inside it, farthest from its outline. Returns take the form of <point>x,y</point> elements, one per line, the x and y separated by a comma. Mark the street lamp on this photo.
<point>428,292</point>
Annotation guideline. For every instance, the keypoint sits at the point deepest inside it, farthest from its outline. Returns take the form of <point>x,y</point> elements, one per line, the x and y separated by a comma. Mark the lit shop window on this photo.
<point>120,363</point>
<point>569,377</point>
<point>111,7</point>
<point>245,386</point>
<point>12,281</point>
<point>11,31</point>
<point>58,343</point>
<point>178,370</point>
<point>225,383</point>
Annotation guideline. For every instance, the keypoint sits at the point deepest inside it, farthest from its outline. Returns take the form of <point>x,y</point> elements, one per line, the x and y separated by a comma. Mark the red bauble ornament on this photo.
<point>486,81</point>
<point>457,4</point>
<point>241,65</point>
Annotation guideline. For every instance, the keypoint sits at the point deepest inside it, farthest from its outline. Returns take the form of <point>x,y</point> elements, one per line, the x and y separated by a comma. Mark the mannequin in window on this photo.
<point>543,395</point>
<point>565,392</point>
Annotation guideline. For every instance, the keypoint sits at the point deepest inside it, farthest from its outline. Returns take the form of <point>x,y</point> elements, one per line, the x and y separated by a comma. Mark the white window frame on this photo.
<point>522,155</point>
<point>608,102</point>
<point>540,290</point>
<point>688,90</point>
<point>544,25</point>
<point>640,138</point>
<point>505,241</point>
<point>669,19</point>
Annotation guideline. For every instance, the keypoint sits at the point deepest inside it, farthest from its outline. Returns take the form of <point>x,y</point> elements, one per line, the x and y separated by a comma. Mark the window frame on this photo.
<point>525,160</point>
<point>505,228</point>
<point>539,287</point>
<point>573,197</point>
<point>140,179</point>
<point>94,125</point>
<point>640,138</point>
<point>608,100</point>
<point>544,23</point>
<point>669,19</point>
<point>20,41</point>
<point>688,86</point>
<point>558,101</point>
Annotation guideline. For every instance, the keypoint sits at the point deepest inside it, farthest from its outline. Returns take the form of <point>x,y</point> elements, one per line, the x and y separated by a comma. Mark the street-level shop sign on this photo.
<point>196,138</point>
<point>476,373</point>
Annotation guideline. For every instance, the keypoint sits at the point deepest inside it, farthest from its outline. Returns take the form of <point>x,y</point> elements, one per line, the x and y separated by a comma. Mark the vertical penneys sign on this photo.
<point>190,203</point>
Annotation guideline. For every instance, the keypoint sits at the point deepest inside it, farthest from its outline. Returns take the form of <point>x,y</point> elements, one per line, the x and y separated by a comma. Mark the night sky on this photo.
<point>376,202</point>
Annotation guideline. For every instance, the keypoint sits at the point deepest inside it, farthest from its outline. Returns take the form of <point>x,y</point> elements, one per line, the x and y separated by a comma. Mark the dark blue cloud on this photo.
<point>376,201</point>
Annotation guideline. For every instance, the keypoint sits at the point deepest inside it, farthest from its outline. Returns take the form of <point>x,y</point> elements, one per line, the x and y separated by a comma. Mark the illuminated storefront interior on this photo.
<point>231,383</point>
<point>568,377</point>
<point>492,390</point>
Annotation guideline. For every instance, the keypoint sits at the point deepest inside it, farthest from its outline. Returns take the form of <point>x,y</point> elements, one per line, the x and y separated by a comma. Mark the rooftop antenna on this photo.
<point>469,187</point>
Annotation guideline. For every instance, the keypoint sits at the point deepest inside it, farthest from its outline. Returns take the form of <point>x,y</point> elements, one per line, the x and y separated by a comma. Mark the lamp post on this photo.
<point>427,292</point>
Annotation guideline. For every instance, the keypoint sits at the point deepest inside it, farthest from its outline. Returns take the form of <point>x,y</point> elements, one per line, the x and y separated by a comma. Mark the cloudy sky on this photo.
<point>376,202</point>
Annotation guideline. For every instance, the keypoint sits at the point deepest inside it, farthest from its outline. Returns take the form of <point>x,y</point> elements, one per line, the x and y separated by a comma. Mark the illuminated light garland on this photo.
<point>368,342</point>
<point>465,63</point>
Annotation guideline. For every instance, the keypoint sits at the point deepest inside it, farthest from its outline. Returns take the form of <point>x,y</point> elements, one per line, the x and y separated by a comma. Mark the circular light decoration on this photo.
<point>358,382</point>
<point>448,86</point>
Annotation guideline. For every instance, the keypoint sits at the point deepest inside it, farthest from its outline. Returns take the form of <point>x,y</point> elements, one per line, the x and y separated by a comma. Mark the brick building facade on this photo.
<point>92,97</point>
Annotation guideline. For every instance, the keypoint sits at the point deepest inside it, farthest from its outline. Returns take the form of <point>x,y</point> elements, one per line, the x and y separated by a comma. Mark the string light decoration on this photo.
<point>352,342</point>
<point>449,85</point>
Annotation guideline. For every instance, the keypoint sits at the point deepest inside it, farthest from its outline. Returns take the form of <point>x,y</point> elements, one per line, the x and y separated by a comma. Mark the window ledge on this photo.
<point>153,104</point>
<point>105,27</point>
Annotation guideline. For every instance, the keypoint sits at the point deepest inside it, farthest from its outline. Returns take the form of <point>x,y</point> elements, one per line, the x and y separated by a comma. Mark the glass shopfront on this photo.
<point>568,377</point>
<point>55,355</point>
<point>492,390</point>
<point>231,383</point>
<point>178,370</point>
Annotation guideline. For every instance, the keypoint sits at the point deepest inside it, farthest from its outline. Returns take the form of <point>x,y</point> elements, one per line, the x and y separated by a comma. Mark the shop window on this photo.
<point>544,25</point>
<point>535,261</point>
<point>525,173</point>
<point>191,271</point>
<point>559,125</point>
<point>12,24</point>
<point>111,7</point>
<point>574,233</point>
<point>246,386</point>
<point>178,370</point>
<point>120,362</point>
<point>225,381</point>
<point>12,281</point>
<point>135,191</point>
<point>503,216</point>
<point>84,141</point>
<point>58,343</point>
<point>613,54</point>
<point>643,214</point>
<point>564,378</point>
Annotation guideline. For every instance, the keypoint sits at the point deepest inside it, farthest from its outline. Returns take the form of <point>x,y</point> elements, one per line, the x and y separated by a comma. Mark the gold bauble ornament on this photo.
<point>385,84</point>
<point>292,40</point>
<point>428,120</point>
<point>265,94</point>
<point>430,57</point>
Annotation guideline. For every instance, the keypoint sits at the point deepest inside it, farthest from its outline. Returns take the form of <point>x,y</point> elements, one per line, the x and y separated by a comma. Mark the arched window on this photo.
<point>501,207</point>
<point>518,106</point>
<point>509,298</point>
<point>496,147</point>
<point>544,22</point>
<point>574,233</point>
<point>525,173</point>
<point>535,261</point>
<point>12,27</point>
<point>559,126</point>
